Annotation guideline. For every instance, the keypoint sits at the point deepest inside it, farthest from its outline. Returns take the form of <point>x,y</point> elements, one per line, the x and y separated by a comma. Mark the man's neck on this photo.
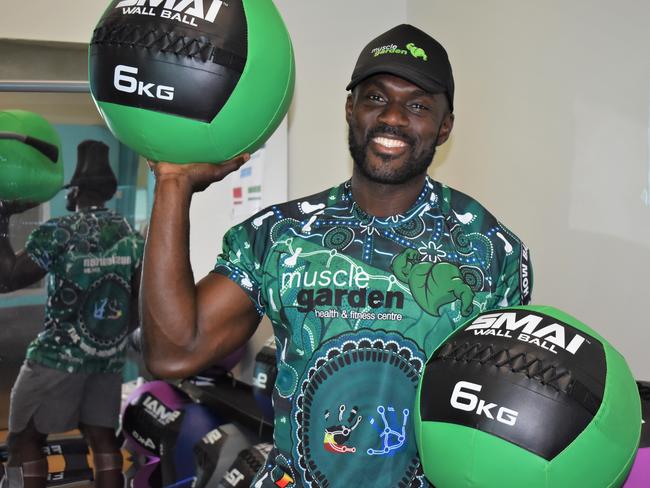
<point>384,200</point>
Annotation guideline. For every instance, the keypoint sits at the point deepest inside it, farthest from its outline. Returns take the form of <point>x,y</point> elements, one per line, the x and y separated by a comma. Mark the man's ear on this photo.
<point>445,129</point>
<point>349,102</point>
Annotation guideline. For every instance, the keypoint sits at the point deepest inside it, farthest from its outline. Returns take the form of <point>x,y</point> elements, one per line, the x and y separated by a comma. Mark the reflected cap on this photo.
<point>93,171</point>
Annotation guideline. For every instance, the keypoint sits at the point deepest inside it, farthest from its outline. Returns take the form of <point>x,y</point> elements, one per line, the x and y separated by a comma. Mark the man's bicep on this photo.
<point>226,315</point>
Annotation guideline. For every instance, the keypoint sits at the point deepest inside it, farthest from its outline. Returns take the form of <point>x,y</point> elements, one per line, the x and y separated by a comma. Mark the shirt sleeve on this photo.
<point>240,262</point>
<point>46,243</point>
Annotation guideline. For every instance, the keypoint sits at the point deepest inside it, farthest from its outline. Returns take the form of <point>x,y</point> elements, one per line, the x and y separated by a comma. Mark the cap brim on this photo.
<point>402,71</point>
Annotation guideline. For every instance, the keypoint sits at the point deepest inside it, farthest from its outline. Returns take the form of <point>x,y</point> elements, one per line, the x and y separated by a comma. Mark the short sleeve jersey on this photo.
<point>91,257</point>
<point>358,303</point>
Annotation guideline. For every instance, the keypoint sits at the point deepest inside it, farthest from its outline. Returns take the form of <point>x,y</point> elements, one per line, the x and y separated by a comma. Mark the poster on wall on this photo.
<point>248,187</point>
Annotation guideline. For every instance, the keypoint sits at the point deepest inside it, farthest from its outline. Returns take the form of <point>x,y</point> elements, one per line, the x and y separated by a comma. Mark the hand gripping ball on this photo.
<point>192,80</point>
<point>31,168</point>
<point>527,396</point>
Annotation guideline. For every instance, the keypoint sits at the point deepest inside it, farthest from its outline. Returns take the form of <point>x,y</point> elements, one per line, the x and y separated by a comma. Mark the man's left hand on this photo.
<point>11,207</point>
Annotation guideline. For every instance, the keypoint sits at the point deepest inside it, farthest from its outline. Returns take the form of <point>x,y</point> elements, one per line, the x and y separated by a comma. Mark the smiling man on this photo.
<point>361,281</point>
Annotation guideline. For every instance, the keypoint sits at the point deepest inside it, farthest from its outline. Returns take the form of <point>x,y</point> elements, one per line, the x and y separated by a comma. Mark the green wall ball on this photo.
<point>31,168</point>
<point>192,81</point>
<point>527,397</point>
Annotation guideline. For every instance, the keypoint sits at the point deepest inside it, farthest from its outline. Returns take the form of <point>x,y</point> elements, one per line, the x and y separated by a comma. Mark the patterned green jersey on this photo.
<point>357,304</point>
<point>90,257</point>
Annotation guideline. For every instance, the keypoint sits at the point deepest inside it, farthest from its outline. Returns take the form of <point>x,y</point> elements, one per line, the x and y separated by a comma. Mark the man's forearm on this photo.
<point>168,293</point>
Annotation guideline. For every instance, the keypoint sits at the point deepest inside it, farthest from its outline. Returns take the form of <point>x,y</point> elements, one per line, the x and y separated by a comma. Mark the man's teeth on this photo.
<point>385,141</point>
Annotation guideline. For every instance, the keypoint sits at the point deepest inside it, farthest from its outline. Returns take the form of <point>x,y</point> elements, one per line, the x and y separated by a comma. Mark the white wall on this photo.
<point>48,20</point>
<point>552,110</point>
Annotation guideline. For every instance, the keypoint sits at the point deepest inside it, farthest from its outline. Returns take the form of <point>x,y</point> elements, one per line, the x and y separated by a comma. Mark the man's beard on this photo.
<point>414,166</point>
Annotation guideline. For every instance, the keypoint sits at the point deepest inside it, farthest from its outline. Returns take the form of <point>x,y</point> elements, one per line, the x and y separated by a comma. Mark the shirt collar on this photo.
<point>425,201</point>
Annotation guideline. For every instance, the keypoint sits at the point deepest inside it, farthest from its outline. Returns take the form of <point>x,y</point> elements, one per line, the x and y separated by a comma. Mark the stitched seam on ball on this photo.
<point>156,40</point>
<point>521,363</point>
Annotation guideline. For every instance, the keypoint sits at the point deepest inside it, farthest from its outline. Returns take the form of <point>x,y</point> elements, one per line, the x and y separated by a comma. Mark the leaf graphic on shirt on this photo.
<point>435,285</point>
<point>403,264</point>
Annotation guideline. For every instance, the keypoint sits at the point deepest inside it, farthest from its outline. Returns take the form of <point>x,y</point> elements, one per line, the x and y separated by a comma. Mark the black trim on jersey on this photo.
<point>525,275</point>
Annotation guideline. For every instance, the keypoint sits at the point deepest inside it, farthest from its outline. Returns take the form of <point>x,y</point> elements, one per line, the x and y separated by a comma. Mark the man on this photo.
<point>361,282</point>
<point>71,376</point>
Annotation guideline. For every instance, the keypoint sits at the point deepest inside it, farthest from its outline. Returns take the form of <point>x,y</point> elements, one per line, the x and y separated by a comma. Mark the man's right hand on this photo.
<point>197,175</point>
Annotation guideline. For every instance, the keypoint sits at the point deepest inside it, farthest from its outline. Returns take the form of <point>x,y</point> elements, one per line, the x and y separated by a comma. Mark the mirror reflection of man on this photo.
<point>71,377</point>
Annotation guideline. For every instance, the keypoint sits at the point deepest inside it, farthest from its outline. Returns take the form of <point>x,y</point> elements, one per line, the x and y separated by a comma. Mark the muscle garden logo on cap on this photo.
<point>409,53</point>
<point>411,48</point>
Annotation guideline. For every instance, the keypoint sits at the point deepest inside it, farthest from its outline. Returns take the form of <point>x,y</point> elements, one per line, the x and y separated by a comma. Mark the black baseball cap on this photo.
<point>93,171</point>
<point>409,53</point>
